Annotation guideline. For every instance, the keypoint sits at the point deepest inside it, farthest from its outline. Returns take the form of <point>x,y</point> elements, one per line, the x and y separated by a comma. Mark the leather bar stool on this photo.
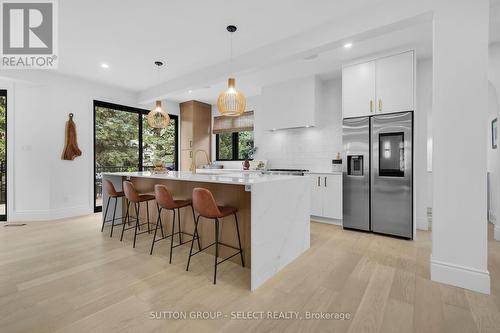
<point>112,194</point>
<point>164,200</point>
<point>136,199</point>
<point>204,203</point>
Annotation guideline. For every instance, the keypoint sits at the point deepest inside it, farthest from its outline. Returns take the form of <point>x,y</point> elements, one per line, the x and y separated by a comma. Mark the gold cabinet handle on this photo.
<point>380,104</point>
<point>371,106</point>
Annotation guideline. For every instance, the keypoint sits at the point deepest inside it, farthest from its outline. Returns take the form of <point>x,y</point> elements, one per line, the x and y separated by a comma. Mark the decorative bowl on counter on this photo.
<point>159,168</point>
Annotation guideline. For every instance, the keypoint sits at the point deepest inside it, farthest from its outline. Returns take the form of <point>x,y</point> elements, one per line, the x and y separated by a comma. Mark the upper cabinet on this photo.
<point>394,83</point>
<point>383,85</point>
<point>289,104</point>
<point>358,89</point>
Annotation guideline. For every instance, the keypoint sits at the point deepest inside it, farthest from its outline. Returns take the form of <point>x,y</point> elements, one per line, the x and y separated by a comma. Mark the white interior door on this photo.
<point>394,83</point>
<point>358,90</point>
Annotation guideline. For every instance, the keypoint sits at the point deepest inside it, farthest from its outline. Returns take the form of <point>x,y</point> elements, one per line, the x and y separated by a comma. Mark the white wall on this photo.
<point>41,185</point>
<point>460,103</point>
<point>422,177</point>
<point>494,154</point>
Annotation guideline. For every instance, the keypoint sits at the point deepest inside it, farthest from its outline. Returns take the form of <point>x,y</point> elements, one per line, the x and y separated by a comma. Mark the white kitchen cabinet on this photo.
<point>358,90</point>
<point>394,83</point>
<point>332,197</point>
<point>382,85</point>
<point>326,195</point>
<point>316,196</point>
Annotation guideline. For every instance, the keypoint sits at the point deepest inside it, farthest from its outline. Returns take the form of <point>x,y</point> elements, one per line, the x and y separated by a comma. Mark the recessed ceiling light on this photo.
<point>348,45</point>
<point>104,65</point>
<point>307,126</point>
<point>311,57</point>
<point>190,91</point>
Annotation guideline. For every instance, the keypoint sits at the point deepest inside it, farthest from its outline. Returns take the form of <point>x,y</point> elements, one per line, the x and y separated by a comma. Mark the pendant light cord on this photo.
<point>159,81</point>
<point>231,53</point>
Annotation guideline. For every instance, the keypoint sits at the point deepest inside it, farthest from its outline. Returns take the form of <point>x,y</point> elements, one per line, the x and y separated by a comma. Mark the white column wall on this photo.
<point>460,81</point>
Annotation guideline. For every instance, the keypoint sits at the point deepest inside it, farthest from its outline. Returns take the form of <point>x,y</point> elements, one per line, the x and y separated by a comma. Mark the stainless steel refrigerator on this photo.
<point>378,174</point>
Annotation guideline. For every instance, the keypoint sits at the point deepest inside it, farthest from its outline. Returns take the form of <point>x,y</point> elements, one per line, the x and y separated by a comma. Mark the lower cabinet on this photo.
<point>326,195</point>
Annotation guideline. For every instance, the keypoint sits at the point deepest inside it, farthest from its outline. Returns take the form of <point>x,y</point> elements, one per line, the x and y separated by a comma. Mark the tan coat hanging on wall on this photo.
<point>71,149</point>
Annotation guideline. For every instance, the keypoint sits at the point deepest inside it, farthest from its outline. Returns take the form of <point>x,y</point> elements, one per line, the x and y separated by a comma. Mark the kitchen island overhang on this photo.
<point>273,210</point>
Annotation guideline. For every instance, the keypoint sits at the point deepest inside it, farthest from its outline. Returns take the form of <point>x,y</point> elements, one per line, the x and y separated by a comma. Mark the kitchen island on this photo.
<point>273,211</point>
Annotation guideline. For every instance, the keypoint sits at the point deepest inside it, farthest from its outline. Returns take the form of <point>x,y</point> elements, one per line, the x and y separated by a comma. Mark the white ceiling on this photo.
<point>326,65</point>
<point>190,36</point>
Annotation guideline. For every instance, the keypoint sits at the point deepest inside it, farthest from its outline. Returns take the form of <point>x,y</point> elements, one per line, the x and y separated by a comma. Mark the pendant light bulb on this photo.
<point>157,117</point>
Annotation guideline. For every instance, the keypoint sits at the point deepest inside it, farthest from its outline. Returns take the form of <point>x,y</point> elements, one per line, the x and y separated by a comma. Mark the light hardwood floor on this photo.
<point>66,276</point>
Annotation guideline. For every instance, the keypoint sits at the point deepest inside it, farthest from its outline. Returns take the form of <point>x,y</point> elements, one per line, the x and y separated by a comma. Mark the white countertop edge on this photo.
<point>231,179</point>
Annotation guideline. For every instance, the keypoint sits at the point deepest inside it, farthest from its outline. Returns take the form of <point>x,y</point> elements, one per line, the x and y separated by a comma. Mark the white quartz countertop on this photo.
<point>224,170</point>
<point>236,178</point>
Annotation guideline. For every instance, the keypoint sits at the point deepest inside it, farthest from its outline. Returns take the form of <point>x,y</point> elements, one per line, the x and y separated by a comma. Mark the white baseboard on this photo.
<point>460,276</point>
<point>326,220</point>
<point>496,234</point>
<point>52,214</point>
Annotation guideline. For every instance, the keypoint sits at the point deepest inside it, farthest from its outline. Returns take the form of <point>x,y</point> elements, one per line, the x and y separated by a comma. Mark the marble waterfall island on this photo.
<point>273,212</point>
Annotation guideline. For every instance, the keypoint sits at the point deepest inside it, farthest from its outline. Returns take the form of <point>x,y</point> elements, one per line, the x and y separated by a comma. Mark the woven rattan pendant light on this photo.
<point>157,117</point>
<point>231,102</point>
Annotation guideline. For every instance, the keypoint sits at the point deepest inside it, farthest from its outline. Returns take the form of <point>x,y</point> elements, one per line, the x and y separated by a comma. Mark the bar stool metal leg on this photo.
<point>137,209</point>
<point>114,215</point>
<point>239,240</point>
<point>159,219</point>
<point>192,241</point>
<point>216,248</point>
<point>154,236</point>
<point>147,213</point>
<point>179,223</point>
<point>172,236</point>
<point>127,217</point>
<point>105,214</point>
<point>194,221</point>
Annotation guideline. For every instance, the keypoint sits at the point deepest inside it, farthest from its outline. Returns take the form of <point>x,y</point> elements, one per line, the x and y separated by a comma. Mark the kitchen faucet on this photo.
<point>193,161</point>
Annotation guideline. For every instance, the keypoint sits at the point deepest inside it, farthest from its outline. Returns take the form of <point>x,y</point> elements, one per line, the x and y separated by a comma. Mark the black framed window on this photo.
<point>123,141</point>
<point>3,155</point>
<point>233,146</point>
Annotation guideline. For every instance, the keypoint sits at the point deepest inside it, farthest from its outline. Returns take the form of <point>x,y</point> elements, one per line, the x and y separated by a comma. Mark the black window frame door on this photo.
<point>3,217</point>
<point>140,113</point>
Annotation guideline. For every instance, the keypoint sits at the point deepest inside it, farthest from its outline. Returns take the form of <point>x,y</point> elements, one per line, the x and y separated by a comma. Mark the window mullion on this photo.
<point>140,166</point>
<point>235,146</point>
